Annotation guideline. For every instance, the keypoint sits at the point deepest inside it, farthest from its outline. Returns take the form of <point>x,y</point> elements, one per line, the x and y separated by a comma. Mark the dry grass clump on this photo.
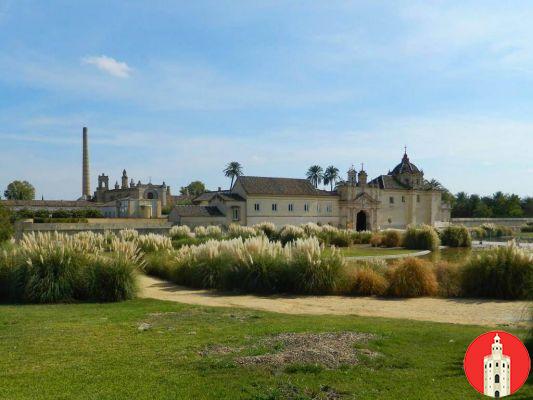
<point>240,231</point>
<point>129,235</point>
<point>368,282</point>
<point>209,232</point>
<point>376,239</point>
<point>151,243</point>
<point>391,238</point>
<point>411,277</point>
<point>180,232</point>
<point>290,233</point>
<point>449,278</point>
<point>268,229</point>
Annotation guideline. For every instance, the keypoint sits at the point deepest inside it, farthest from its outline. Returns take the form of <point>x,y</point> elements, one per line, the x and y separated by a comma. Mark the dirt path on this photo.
<point>459,311</point>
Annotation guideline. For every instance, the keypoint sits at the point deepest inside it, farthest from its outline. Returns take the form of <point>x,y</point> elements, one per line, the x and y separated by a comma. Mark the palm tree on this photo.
<point>330,176</point>
<point>435,184</point>
<point>315,174</point>
<point>232,170</point>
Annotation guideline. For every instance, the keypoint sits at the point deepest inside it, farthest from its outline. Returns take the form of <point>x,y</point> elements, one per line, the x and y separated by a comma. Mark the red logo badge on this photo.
<point>497,364</point>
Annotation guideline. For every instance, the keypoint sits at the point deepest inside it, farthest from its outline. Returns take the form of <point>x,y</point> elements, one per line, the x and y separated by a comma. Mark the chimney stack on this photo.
<point>86,178</point>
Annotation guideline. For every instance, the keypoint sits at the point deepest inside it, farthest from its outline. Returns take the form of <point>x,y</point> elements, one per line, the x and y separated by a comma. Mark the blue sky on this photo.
<point>175,90</point>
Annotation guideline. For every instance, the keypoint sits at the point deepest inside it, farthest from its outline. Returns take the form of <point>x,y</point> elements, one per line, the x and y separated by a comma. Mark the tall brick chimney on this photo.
<point>86,177</point>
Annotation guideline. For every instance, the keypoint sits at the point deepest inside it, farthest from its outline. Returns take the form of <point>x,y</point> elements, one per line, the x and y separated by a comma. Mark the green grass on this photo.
<point>524,235</point>
<point>372,251</point>
<point>96,351</point>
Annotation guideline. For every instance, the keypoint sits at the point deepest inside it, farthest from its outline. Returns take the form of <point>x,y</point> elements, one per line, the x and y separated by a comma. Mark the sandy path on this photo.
<point>459,311</point>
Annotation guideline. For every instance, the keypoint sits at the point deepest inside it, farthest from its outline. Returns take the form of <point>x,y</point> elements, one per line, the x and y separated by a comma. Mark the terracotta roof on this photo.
<point>197,211</point>
<point>258,185</point>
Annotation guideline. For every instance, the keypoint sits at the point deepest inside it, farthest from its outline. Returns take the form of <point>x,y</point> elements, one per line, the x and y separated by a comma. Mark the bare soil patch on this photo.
<point>329,350</point>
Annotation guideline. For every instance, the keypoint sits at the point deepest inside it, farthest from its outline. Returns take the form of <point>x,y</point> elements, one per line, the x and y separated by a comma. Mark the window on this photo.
<point>403,199</point>
<point>257,207</point>
<point>306,207</point>
<point>391,200</point>
<point>235,212</point>
<point>291,207</point>
<point>329,208</point>
<point>418,181</point>
<point>497,379</point>
<point>318,207</point>
<point>274,206</point>
<point>496,364</point>
<point>418,198</point>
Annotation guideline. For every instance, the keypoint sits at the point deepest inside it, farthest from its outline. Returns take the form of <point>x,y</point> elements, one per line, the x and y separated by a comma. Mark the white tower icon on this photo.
<point>497,372</point>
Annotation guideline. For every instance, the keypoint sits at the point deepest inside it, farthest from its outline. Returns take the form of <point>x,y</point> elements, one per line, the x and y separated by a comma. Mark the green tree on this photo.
<point>315,174</point>
<point>195,188</point>
<point>331,175</point>
<point>20,190</point>
<point>233,170</point>
<point>482,210</point>
<point>6,227</point>
<point>527,206</point>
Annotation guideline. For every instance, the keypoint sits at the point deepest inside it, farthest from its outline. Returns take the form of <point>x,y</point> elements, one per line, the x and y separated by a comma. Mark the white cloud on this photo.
<point>109,65</point>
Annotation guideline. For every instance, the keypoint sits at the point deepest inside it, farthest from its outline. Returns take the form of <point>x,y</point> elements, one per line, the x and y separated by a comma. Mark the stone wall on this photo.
<point>510,222</point>
<point>97,225</point>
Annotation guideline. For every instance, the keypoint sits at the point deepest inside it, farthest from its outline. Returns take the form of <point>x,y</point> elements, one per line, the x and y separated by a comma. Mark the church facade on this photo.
<point>400,198</point>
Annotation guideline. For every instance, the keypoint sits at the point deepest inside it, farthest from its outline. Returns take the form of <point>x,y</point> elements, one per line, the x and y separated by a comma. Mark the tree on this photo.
<point>435,184</point>
<point>195,188</point>
<point>315,175</point>
<point>6,227</point>
<point>482,210</point>
<point>331,175</point>
<point>20,190</point>
<point>233,170</point>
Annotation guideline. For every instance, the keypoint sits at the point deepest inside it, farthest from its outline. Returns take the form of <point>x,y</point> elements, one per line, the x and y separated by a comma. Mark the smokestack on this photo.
<point>86,178</point>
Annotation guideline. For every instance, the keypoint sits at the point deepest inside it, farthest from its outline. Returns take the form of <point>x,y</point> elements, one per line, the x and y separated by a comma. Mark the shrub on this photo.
<point>502,272</point>
<point>129,235</point>
<point>391,238</point>
<point>180,232</point>
<point>52,268</point>
<point>361,237</point>
<point>152,242</point>
<point>412,278</point>
<point>267,228</point>
<point>340,238</point>
<point>376,239</point>
<point>477,233</point>
<point>6,227</point>
<point>492,230</point>
<point>368,282</point>
<point>291,233</point>
<point>527,228</point>
<point>254,265</point>
<point>314,271</point>
<point>211,232</point>
<point>449,279</point>
<point>161,264</point>
<point>456,236</point>
<point>240,231</point>
<point>423,237</point>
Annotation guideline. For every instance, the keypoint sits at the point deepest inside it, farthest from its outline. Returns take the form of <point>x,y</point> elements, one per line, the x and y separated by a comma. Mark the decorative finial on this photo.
<point>405,150</point>
<point>362,166</point>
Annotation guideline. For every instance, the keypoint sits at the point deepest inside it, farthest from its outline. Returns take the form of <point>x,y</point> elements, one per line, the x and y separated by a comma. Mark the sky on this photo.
<point>174,90</point>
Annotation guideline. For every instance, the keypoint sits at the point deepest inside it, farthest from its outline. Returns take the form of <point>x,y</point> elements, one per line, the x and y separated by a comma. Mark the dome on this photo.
<point>405,167</point>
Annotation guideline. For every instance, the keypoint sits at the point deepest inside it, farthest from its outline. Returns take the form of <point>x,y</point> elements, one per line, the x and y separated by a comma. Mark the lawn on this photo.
<point>97,351</point>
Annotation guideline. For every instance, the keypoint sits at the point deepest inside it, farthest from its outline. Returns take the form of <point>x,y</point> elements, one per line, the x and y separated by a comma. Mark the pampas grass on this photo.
<point>411,277</point>
<point>502,272</point>
<point>180,232</point>
<point>456,236</point>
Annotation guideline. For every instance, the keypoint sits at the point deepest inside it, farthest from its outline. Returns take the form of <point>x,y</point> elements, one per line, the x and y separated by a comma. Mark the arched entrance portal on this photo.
<point>361,221</point>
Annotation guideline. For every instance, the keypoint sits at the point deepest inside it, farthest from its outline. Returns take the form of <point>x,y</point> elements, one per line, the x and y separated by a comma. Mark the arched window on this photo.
<point>150,195</point>
<point>497,379</point>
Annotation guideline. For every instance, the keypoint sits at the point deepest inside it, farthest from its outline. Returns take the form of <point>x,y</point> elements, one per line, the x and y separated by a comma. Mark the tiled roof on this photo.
<point>258,185</point>
<point>197,211</point>
<point>387,182</point>
<point>405,167</point>
<point>206,196</point>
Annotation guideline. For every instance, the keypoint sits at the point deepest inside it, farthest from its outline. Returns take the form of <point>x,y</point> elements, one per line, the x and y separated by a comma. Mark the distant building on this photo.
<point>497,371</point>
<point>395,200</point>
